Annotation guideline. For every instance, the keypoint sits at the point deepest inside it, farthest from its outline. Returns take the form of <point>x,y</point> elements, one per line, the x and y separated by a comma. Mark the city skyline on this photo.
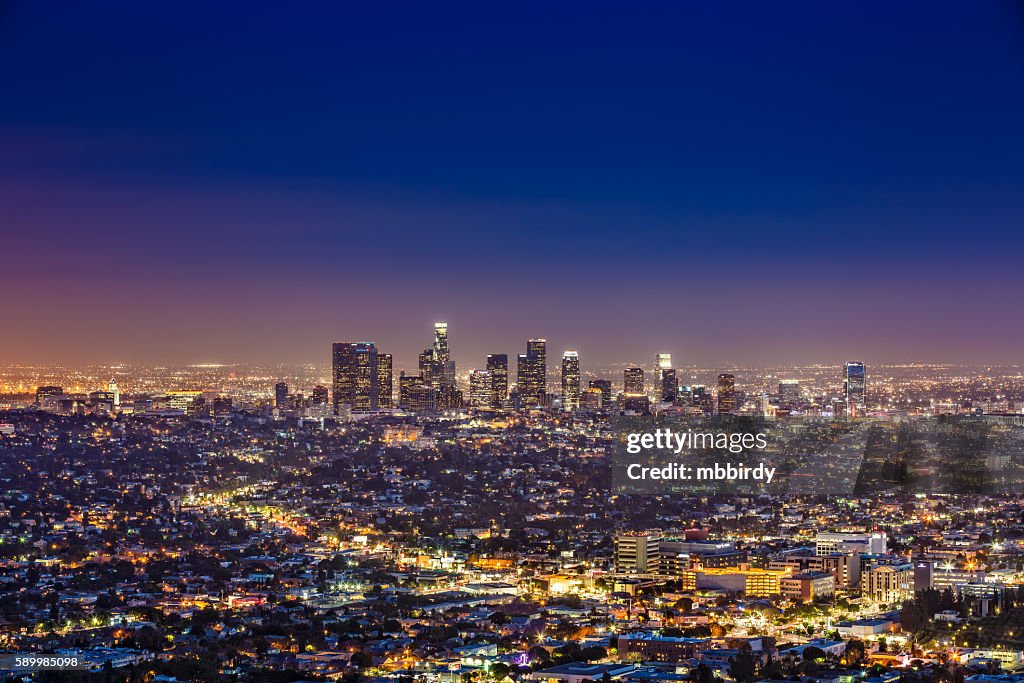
<point>733,186</point>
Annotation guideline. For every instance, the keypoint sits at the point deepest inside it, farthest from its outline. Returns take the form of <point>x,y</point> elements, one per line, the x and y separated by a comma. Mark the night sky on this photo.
<point>731,182</point>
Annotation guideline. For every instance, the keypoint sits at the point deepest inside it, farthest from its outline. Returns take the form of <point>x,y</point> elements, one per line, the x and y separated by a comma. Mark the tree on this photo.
<point>743,669</point>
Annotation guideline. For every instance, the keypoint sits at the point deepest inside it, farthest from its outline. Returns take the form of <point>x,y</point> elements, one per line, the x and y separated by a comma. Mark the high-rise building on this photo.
<point>591,399</point>
<point>532,373</point>
<point>701,398</point>
<point>726,393</point>
<point>570,381</point>
<point>114,391</point>
<point>481,388</point>
<point>428,366</point>
<point>406,384</point>
<point>441,342</point>
<point>281,396</point>
<point>320,395</point>
<point>445,367</point>
<point>665,377</point>
<point>497,365</point>
<point>669,384</point>
<point>633,380</point>
<point>355,376</point>
<point>385,381</point>
<point>789,392</point>
<point>605,387</point>
<point>855,387</point>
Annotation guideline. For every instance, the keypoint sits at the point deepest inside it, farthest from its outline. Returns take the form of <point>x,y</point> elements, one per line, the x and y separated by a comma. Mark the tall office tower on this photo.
<point>789,391</point>
<point>445,365</point>
<point>43,392</point>
<point>633,381</point>
<point>355,376</point>
<point>406,386</point>
<point>591,399</point>
<point>428,367</point>
<point>319,395</point>
<point>114,391</point>
<point>497,365</point>
<point>385,381</point>
<point>481,388</point>
<point>281,395</point>
<point>855,387</point>
<point>448,397</point>
<point>532,373</point>
<point>726,394</point>
<point>701,398</point>
<point>669,385</point>
<point>570,381</point>
<point>441,342</point>
<point>606,390</point>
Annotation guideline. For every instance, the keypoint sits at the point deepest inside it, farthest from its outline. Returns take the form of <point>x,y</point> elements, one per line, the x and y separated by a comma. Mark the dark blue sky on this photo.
<point>732,182</point>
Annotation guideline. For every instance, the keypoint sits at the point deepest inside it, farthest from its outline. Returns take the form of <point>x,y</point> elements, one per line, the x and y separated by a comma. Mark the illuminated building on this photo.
<point>637,552</point>
<point>447,397</point>
<point>638,404</point>
<point>222,405</point>
<point>827,543</point>
<point>605,387</point>
<point>428,366</point>
<point>592,399</point>
<point>855,387</point>
<point>789,392</point>
<point>570,381</point>
<point>889,582</point>
<point>700,398</point>
<point>406,385</point>
<point>320,395</point>
<point>481,388</point>
<point>385,381</point>
<point>808,586</point>
<point>421,398</point>
<point>633,380</point>
<point>445,366</point>
<point>648,647</point>
<point>752,582</point>
<point>669,385</point>
<point>355,376</point>
<point>114,391</point>
<point>531,379</point>
<point>665,376</point>
<point>281,396</point>
<point>726,394</point>
<point>184,399</point>
<point>42,393</point>
<point>497,365</point>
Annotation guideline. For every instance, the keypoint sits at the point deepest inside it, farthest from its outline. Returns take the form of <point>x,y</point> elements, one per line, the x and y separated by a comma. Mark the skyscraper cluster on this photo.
<point>363,382</point>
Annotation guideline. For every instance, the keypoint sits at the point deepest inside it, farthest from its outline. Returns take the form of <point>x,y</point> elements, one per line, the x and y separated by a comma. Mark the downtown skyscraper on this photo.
<point>532,372</point>
<point>726,394</point>
<point>855,387</point>
<point>570,381</point>
<point>355,376</point>
<point>497,365</point>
